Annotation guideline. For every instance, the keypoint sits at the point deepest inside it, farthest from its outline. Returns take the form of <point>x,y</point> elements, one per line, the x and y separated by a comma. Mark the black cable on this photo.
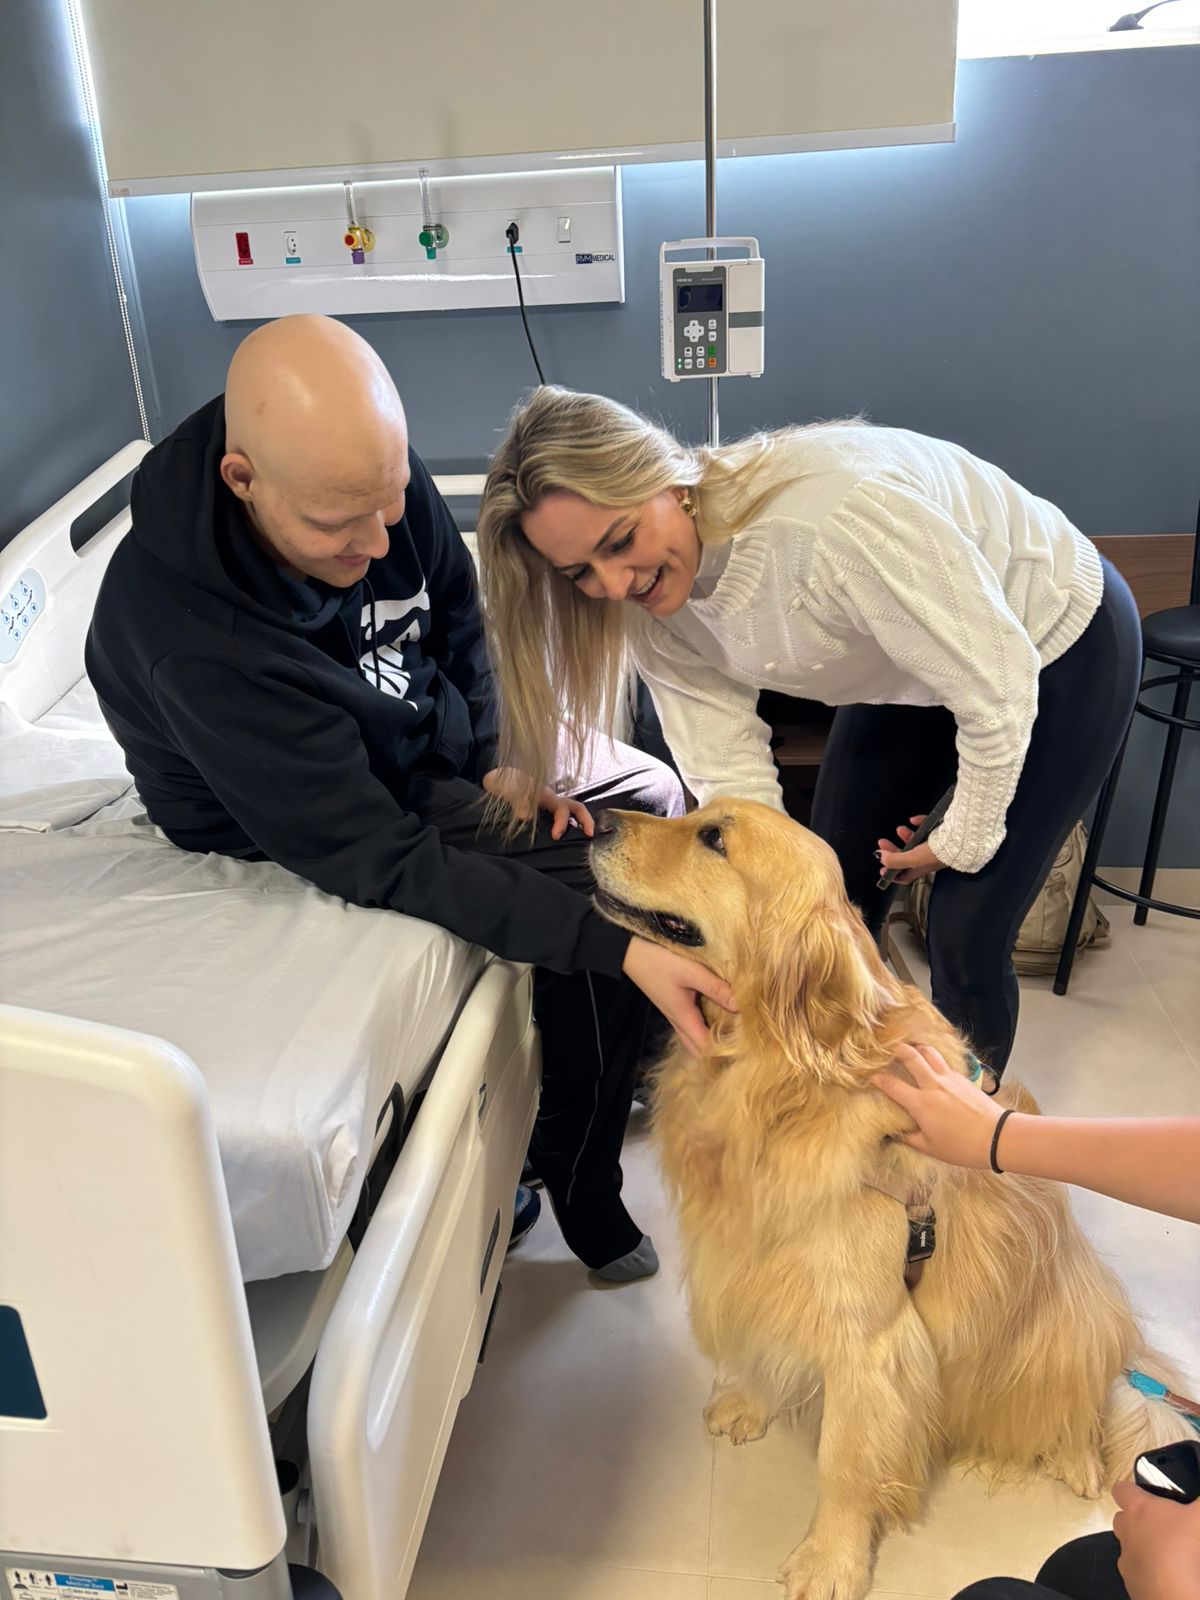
<point>512,233</point>
<point>1133,19</point>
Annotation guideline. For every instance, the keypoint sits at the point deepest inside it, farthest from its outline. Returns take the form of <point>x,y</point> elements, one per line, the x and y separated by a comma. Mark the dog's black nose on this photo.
<point>607,824</point>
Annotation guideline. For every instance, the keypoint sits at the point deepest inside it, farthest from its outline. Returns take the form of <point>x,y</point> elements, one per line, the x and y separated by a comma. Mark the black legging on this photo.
<point>883,764</point>
<point>595,1030</point>
<point>1085,1569</point>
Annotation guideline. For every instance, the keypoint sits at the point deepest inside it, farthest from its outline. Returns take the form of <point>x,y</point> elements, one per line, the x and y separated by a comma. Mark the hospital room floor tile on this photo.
<point>759,1589</point>
<point>579,1468</point>
<point>520,1580</point>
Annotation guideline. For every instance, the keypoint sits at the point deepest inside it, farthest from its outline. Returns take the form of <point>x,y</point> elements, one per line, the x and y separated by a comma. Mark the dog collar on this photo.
<point>977,1073</point>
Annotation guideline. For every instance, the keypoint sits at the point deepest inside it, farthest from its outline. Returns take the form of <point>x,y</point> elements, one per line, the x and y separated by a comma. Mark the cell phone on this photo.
<point>1172,1473</point>
<point>932,821</point>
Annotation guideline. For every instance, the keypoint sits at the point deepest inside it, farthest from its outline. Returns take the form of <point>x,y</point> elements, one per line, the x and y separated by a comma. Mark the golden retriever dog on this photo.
<point>793,1197</point>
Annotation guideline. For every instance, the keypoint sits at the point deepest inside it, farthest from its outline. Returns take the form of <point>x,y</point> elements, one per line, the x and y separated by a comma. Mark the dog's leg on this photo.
<point>735,1409</point>
<point>880,1421</point>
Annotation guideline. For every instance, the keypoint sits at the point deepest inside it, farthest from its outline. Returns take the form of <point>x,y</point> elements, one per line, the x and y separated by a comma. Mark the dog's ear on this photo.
<point>820,998</point>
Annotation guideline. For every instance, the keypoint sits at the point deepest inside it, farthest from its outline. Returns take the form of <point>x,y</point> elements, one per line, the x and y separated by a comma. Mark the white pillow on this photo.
<point>77,712</point>
<point>59,770</point>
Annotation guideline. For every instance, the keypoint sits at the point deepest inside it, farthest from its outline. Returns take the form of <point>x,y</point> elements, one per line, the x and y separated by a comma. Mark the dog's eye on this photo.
<point>711,839</point>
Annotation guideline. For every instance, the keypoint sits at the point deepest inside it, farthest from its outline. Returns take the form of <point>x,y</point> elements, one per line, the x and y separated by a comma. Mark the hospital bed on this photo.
<point>258,1150</point>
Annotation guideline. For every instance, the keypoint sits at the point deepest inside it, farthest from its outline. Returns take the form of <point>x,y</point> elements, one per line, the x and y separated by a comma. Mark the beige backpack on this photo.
<point>1044,929</point>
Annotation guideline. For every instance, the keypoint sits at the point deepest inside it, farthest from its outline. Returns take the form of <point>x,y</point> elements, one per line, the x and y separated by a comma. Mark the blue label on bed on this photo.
<point>20,608</point>
<point>20,1391</point>
<point>26,1583</point>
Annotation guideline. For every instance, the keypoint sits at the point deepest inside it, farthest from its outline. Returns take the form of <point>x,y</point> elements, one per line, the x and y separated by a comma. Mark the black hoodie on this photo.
<point>262,716</point>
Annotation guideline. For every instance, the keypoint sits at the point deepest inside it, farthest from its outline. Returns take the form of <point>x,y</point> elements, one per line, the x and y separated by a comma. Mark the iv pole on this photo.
<point>710,177</point>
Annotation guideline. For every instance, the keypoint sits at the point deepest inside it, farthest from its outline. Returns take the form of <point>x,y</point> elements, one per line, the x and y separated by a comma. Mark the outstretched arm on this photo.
<point>1152,1162</point>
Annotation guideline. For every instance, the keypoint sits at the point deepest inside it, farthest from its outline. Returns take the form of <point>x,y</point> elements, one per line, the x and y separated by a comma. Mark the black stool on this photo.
<point>1171,638</point>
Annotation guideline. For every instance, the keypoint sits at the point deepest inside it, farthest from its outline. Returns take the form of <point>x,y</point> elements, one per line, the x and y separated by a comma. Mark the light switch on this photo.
<point>564,230</point>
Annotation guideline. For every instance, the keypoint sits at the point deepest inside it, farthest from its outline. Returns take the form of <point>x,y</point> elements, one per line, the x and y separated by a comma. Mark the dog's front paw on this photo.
<point>1084,1475</point>
<point>729,1412</point>
<point>815,1571</point>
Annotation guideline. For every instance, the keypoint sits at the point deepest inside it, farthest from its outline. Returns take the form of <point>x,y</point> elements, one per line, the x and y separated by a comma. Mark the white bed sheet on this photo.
<point>300,1011</point>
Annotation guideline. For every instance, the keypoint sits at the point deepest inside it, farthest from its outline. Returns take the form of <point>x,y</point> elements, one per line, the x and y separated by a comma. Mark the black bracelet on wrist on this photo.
<point>1000,1121</point>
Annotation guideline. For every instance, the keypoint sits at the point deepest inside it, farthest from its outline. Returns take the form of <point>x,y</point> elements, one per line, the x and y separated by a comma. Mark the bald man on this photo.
<point>288,647</point>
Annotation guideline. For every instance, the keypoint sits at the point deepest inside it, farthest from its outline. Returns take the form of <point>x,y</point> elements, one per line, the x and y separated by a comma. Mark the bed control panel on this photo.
<point>20,609</point>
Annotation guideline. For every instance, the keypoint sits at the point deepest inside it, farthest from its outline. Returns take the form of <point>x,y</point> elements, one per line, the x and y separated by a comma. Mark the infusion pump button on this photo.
<point>694,330</point>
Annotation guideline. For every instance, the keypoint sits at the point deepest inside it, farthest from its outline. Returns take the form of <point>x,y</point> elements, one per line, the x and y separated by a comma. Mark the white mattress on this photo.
<point>301,1012</point>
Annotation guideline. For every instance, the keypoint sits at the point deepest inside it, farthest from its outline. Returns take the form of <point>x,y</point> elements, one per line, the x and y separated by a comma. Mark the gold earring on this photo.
<point>688,506</point>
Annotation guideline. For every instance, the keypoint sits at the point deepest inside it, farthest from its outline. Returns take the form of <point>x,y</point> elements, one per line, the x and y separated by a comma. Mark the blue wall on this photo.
<point>66,395</point>
<point>1032,291</point>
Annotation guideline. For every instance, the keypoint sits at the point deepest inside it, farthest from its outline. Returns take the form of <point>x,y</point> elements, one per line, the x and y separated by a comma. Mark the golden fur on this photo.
<point>1009,1351</point>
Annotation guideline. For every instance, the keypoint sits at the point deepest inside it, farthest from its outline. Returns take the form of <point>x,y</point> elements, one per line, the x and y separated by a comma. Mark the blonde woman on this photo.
<point>968,634</point>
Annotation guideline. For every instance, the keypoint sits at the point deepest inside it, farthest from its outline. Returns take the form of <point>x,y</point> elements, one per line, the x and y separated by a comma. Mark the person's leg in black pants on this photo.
<point>898,758</point>
<point>881,765</point>
<point>1085,702</point>
<point>594,1028</point>
<point>1085,1569</point>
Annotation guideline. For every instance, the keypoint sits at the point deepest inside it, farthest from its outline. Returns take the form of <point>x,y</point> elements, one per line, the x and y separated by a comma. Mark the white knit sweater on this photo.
<point>895,570</point>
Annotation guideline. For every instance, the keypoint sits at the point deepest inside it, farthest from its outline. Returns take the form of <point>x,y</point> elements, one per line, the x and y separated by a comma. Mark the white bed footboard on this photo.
<point>140,1433</point>
<point>401,1347</point>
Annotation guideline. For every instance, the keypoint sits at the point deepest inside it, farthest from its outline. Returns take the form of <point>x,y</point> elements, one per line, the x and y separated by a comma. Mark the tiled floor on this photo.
<point>580,1470</point>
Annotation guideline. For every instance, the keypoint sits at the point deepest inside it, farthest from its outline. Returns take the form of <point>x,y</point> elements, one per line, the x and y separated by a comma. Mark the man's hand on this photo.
<point>911,864</point>
<point>516,790</point>
<point>1160,1545</point>
<point>674,984</point>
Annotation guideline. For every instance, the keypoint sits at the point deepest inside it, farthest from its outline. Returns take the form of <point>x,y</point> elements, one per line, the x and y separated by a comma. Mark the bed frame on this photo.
<point>167,1433</point>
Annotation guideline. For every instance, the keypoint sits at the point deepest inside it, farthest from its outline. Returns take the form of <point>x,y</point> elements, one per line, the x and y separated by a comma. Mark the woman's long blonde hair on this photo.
<point>561,660</point>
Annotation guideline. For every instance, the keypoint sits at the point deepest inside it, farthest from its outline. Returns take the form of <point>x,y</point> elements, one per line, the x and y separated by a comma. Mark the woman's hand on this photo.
<point>1160,1545</point>
<point>955,1120</point>
<point>515,788</point>
<point>911,864</point>
<point>674,984</point>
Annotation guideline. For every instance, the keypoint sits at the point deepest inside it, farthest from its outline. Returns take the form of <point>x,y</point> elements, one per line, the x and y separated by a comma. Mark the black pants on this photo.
<point>595,1029</point>
<point>1085,1569</point>
<point>883,764</point>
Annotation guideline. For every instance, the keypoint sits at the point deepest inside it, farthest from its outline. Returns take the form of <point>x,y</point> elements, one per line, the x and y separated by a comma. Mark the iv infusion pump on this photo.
<point>711,311</point>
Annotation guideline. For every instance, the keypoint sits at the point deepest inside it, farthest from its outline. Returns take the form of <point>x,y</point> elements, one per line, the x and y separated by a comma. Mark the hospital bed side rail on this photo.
<point>399,1352</point>
<point>48,659</point>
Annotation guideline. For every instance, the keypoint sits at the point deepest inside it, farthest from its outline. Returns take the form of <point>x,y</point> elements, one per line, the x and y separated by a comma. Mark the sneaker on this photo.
<point>530,1178</point>
<point>527,1208</point>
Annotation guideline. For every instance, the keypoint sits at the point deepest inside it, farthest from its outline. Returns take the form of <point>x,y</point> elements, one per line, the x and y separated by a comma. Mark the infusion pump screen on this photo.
<point>700,297</point>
